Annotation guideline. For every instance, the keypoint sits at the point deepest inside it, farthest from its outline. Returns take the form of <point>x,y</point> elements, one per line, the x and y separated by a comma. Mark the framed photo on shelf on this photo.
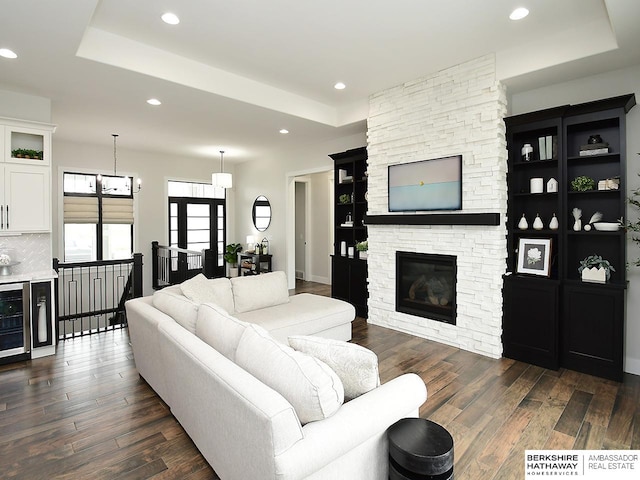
<point>534,256</point>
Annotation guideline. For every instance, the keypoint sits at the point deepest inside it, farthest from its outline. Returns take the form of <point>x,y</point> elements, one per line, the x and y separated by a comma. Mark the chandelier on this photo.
<point>123,182</point>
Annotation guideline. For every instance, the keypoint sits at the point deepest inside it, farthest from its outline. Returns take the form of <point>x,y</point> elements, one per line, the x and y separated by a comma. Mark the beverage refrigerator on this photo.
<point>15,339</point>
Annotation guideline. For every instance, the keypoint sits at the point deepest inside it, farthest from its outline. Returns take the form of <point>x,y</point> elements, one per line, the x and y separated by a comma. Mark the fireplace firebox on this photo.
<point>426,285</point>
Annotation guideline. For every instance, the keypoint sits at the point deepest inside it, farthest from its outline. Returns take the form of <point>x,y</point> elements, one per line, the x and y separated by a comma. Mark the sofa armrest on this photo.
<point>356,422</point>
<point>143,320</point>
<point>238,423</point>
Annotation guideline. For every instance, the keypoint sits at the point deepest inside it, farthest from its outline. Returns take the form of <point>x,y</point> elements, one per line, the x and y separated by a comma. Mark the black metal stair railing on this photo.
<point>90,296</point>
<point>173,265</point>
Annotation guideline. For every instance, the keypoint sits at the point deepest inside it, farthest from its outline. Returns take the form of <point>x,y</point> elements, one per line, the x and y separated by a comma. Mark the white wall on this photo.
<point>586,89</point>
<point>25,107</point>
<point>151,203</point>
<point>265,177</point>
<point>273,178</point>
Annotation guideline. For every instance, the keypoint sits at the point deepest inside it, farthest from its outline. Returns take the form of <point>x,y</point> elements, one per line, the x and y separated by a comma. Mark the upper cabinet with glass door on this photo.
<point>26,142</point>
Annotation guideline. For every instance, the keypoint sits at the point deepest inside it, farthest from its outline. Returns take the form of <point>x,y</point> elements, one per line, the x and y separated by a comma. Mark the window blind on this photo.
<point>117,210</point>
<point>80,209</point>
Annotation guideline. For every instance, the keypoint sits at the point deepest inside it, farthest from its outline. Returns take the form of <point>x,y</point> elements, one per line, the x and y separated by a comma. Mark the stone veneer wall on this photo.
<point>459,110</point>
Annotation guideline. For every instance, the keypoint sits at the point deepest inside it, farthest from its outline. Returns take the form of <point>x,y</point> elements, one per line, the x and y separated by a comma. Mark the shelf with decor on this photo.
<point>254,264</point>
<point>348,271</point>
<point>589,167</point>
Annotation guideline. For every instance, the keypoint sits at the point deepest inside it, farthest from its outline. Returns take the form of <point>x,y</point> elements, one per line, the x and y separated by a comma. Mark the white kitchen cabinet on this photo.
<point>25,176</point>
<point>25,199</point>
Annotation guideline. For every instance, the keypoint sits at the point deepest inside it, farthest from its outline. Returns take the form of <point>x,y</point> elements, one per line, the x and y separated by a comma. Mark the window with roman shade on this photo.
<point>98,217</point>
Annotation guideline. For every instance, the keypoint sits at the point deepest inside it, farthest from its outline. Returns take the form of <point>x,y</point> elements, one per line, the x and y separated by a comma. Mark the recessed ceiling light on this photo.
<point>339,86</point>
<point>154,101</point>
<point>170,18</point>
<point>284,131</point>
<point>6,53</point>
<point>519,13</point>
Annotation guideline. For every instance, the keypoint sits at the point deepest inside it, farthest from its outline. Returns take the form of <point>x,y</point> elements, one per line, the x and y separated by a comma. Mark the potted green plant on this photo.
<point>583,183</point>
<point>231,258</point>
<point>594,268</point>
<point>634,227</point>
<point>362,248</point>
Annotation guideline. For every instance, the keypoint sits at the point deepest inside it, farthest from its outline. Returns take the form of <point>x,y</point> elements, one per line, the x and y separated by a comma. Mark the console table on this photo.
<point>253,264</point>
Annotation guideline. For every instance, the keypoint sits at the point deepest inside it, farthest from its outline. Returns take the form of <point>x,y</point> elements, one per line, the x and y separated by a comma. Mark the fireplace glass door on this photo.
<point>426,285</point>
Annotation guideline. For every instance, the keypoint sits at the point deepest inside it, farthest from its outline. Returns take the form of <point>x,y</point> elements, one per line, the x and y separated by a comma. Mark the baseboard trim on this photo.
<point>324,280</point>
<point>632,365</point>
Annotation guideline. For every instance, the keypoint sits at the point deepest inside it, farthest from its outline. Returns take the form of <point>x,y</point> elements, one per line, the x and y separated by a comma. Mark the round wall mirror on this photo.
<point>261,213</point>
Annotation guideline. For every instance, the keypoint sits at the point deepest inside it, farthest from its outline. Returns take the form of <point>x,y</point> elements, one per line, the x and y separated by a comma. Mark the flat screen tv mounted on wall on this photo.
<point>426,185</point>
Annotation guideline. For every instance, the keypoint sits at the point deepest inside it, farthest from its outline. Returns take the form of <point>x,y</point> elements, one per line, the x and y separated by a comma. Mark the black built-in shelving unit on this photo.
<point>561,321</point>
<point>349,274</point>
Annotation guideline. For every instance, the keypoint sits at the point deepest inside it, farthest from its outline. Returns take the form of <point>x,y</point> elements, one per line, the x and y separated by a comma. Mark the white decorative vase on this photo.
<point>577,226</point>
<point>537,223</point>
<point>527,152</point>
<point>553,224</point>
<point>523,224</point>
<point>593,274</point>
<point>536,185</point>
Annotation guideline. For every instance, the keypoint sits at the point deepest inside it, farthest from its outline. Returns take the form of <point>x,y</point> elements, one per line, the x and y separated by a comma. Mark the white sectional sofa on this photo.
<point>255,407</point>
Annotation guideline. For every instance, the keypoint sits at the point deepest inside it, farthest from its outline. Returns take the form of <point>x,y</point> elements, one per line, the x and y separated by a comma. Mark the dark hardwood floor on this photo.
<point>86,414</point>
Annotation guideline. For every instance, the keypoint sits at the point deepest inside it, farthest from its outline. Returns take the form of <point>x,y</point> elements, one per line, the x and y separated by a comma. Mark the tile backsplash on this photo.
<point>32,250</point>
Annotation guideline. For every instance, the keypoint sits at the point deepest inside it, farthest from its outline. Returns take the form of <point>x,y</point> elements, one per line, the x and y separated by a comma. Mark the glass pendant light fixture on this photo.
<point>221,179</point>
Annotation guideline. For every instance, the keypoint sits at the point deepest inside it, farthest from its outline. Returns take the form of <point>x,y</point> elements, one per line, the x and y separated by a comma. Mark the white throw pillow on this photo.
<point>309,385</point>
<point>259,291</point>
<point>170,301</point>
<point>356,366</point>
<point>200,289</point>
<point>219,329</point>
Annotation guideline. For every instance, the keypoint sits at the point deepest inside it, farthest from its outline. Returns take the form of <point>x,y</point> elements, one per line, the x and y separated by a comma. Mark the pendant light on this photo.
<point>115,171</point>
<point>222,180</point>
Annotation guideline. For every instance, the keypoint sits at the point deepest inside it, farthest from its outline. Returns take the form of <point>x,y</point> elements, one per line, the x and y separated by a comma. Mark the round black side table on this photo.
<point>419,449</point>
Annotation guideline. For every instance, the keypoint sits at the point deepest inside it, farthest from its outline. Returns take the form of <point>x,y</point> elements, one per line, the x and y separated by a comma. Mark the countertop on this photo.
<point>29,276</point>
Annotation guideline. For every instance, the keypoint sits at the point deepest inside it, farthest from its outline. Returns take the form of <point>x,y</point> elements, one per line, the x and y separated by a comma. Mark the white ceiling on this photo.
<point>233,73</point>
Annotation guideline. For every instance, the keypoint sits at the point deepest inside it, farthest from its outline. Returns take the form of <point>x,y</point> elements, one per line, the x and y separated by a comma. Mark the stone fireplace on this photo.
<point>458,111</point>
<point>426,285</point>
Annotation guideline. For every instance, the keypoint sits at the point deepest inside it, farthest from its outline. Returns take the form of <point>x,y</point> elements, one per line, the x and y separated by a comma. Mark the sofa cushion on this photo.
<point>201,289</point>
<point>305,314</point>
<point>170,301</point>
<point>312,388</point>
<point>219,329</point>
<point>356,366</point>
<point>259,291</point>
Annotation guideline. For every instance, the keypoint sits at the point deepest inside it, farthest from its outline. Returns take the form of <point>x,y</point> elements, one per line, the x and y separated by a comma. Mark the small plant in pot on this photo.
<point>583,184</point>
<point>362,248</point>
<point>231,257</point>
<point>594,268</point>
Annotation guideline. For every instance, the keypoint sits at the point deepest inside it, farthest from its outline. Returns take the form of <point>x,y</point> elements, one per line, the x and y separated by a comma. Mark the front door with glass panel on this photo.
<point>195,224</point>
